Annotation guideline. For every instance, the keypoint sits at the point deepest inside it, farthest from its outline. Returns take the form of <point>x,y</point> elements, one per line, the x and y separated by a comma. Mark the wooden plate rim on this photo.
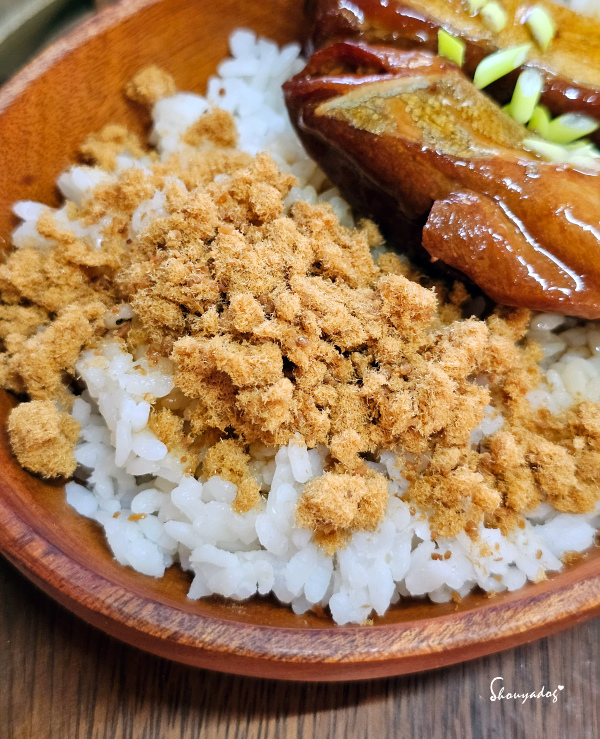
<point>102,21</point>
<point>335,652</point>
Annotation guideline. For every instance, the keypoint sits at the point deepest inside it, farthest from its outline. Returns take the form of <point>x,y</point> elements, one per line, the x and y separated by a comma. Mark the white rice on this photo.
<point>126,471</point>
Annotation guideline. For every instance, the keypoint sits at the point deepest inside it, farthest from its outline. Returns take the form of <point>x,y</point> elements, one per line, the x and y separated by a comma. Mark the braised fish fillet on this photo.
<point>571,65</point>
<point>412,143</point>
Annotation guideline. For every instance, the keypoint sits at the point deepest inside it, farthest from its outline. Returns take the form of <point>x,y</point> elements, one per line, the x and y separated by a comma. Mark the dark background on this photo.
<point>26,26</point>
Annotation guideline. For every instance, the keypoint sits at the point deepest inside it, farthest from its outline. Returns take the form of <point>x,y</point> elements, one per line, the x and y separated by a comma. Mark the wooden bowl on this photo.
<point>45,112</point>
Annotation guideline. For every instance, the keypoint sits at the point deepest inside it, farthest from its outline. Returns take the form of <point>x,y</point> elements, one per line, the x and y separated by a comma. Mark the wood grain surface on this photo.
<point>63,679</point>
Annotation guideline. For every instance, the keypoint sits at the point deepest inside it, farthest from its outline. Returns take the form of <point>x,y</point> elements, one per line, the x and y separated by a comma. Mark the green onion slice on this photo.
<point>541,26</point>
<point>544,149</point>
<point>569,127</point>
<point>526,95</point>
<point>587,163</point>
<point>475,5</point>
<point>540,120</point>
<point>494,16</point>
<point>580,144</point>
<point>583,147</point>
<point>585,158</point>
<point>451,47</point>
<point>498,64</point>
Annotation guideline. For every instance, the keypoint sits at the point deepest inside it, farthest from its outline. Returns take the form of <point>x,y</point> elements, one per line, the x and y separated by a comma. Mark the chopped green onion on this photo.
<point>526,95</point>
<point>451,47</point>
<point>587,163</point>
<point>541,26</point>
<point>586,157</point>
<point>569,127</point>
<point>550,152</point>
<point>579,144</point>
<point>583,147</point>
<point>498,64</point>
<point>494,16</point>
<point>476,5</point>
<point>540,120</point>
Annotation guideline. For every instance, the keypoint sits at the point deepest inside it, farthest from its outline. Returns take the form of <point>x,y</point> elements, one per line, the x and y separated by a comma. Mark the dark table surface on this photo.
<point>61,678</point>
